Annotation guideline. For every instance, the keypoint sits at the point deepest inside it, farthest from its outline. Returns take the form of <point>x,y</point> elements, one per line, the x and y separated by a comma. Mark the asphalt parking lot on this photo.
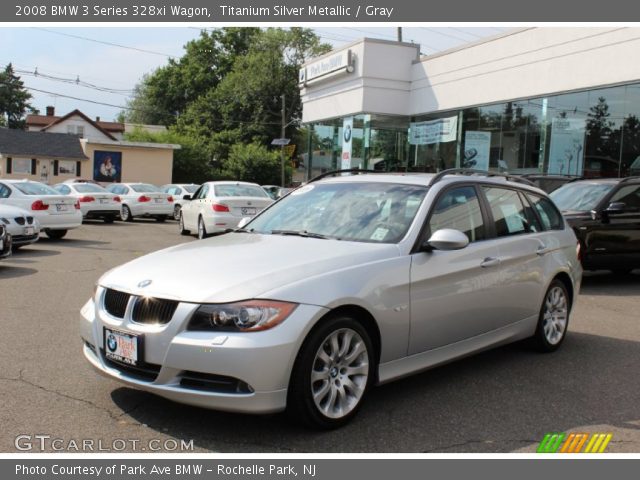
<point>503,400</point>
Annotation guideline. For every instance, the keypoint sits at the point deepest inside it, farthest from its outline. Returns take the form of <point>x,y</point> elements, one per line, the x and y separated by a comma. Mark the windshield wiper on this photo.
<point>300,233</point>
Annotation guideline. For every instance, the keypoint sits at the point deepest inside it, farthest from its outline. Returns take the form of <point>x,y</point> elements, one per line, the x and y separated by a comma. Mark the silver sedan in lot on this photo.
<point>346,283</point>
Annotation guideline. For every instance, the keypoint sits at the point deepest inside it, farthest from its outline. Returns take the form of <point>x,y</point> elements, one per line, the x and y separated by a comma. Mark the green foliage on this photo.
<point>226,89</point>
<point>254,163</point>
<point>14,99</point>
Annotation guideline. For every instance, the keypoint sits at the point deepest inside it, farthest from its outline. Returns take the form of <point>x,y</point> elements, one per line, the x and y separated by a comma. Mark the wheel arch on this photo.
<point>568,283</point>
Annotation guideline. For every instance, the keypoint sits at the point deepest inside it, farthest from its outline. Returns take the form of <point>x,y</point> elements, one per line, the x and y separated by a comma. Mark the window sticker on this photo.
<point>379,234</point>
<point>512,217</point>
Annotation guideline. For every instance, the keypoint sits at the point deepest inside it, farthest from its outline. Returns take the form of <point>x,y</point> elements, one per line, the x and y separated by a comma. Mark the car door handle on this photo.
<point>490,262</point>
<point>542,250</point>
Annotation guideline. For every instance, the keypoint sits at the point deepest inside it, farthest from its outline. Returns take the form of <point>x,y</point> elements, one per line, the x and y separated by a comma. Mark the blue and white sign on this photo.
<point>347,135</point>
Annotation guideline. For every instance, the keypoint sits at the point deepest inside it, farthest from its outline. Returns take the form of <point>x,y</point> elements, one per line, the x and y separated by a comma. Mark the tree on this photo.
<point>14,99</point>
<point>160,98</point>
<point>254,163</point>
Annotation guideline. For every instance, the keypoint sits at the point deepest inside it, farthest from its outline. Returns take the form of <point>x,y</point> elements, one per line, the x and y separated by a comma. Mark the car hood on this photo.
<point>238,266</point>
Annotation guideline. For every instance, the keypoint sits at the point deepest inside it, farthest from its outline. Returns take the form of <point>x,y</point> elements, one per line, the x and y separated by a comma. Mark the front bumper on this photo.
<point>261,362</point>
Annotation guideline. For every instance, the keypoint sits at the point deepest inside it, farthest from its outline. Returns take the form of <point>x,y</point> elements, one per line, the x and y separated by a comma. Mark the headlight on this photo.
<point>249,316</point>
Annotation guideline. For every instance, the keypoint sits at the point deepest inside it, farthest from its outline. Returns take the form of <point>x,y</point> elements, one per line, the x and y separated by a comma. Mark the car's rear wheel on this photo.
<point>176,212</point>
<point>554,318</point>
<point>55,234</point>
<point>181,229</point>
<point>332,374</point>
<point>125,214</point>
<point>202,229</point>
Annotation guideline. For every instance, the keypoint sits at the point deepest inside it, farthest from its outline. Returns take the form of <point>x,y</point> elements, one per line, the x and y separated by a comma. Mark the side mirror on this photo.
<point>447,239</point>
<point>616,208</point>
<point>186,197</point>
<point>243,222</point>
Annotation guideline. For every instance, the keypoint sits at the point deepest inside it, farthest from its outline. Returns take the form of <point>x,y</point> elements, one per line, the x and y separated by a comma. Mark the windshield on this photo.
<point>580,197</point>
<point>35,188</point>
<point>362,212</point>
<point>240,191</point>
<point>88,188</point>
<point>144,188</point>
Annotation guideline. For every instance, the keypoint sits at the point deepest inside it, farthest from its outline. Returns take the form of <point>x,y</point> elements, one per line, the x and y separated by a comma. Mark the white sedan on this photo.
<point>56,213</point>
<point>21,224</point>
<point>217,206</point>
<point>142,200</point>
<point>95,201</point>
<point>178,191</point>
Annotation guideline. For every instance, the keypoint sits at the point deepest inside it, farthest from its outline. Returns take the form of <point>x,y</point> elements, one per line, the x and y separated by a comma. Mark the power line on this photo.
<point>77,82</point>
<point>111,44</point>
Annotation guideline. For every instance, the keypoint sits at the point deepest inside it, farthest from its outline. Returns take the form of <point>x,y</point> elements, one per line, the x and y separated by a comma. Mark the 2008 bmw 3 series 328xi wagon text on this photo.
<point>348,282</point>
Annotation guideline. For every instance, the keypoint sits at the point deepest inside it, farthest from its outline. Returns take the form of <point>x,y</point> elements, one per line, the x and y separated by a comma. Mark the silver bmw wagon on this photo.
<point>348,282</point>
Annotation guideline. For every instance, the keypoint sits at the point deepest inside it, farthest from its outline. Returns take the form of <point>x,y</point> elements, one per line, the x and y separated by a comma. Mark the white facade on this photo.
<point>390,79</point>
<point>79,126</point>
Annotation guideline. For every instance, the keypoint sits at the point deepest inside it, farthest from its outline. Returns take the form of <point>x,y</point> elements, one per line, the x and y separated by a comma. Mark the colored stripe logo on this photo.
<point>574,443</point>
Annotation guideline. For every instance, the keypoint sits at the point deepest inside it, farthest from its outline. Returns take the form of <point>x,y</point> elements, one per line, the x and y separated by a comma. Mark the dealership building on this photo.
<point>547,99</point>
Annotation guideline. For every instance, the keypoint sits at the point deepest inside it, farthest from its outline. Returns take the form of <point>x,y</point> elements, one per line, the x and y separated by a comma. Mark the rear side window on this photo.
<point>548,213</point>
<point>509,215</point>
<point>459,209</point>
<point>4,191</point>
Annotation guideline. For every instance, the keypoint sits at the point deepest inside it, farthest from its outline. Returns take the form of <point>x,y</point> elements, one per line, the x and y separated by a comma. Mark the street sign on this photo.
<point>280,141</point>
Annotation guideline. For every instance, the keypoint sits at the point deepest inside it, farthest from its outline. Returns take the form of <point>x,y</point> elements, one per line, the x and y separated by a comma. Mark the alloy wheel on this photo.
<point>555,316</point>
<point>339,373</point>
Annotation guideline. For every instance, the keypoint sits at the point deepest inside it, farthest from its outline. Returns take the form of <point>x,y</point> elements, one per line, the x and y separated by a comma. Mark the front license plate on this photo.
<point>248,211</point>
<point>121,346</point>
<point>61,207</point>
<point>29,230</point>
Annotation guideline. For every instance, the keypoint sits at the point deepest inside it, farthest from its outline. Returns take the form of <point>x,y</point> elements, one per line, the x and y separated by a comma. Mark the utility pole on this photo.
<point>399,34</point>
<point>282,135</point>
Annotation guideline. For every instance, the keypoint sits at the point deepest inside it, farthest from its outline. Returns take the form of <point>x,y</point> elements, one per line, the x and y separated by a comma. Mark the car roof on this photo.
<point>230,182</point>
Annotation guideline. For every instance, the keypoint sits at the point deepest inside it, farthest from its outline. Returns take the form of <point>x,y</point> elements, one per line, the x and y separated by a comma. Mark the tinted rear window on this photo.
<point>35,188</point>
<point>239,191</point>
<point>549,214</point>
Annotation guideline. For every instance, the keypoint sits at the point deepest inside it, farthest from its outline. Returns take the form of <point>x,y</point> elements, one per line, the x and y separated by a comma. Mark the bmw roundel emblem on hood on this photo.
<point>144,283</point>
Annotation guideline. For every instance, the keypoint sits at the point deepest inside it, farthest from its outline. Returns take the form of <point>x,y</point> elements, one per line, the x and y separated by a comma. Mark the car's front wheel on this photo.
<point>125,214</point>
<point>181,229</point>
<point>554,318</point>
<point>332,374</point>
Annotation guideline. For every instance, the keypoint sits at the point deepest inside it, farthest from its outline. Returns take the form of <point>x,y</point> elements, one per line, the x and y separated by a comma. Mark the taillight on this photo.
<point>77,205</point>
<point>144,198</point>
<point>170,199</point>
<point>38,205</point>
<point>117,199</point>
<point>87,199</point>
<point>220,207</point>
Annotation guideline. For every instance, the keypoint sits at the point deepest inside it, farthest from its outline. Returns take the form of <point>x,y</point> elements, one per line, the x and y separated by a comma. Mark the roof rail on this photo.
<point>485,173</point>
<point>335,172</point>
<point>628,179</point>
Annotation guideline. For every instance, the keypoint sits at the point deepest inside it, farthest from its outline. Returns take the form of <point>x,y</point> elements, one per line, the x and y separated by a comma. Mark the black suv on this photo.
<point>605,214</point>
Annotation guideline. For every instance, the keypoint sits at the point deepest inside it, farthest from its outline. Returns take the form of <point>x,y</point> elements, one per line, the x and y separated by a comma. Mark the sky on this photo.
<point>102,65</point>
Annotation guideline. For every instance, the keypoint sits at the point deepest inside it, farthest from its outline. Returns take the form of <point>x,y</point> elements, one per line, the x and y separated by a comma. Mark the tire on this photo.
<point>317,396</point>
<point>108,219</point>
<point>554,318</point>
<point>125,214</point>
<point>161,218</point>
<point>181,229</point>
<point>176,212</point>
<point>55,234</point>
<point>202,229</point>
